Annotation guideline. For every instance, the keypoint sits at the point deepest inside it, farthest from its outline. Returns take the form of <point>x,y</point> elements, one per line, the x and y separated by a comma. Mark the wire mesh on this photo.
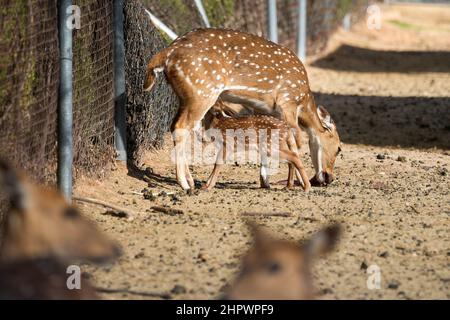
<point>29,73</point>
<point>149,114</point>
<point>93,88</point>
<point>251,16</point>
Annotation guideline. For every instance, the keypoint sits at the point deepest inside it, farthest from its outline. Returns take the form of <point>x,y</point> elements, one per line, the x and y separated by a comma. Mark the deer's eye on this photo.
<point>273,267</point>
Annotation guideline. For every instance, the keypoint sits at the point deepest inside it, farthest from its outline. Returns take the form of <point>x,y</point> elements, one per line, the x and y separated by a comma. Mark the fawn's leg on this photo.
<point>295,160</point>
<point>264,170</point>
<point>212,180</point>
<point>294,139</point>
<point>291,145</point>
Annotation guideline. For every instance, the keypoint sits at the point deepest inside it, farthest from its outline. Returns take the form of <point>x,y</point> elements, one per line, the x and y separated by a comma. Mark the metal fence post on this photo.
<point>201,10</point>
<point>301,34</point>
<point>120,134</point>
<point>65,118</point>
<point>273,24</point>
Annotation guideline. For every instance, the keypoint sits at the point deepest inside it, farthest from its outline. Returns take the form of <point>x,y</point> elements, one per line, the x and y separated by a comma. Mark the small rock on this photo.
<point>381,156</point>
<point>175,198</point>
<point>203,257</point>
<point>384,254</point>
<point>178,289</point>
<point>139,255</point>
<point>363,266</point>
<point>393,285</point>
<point>148,194</point>
<point>401,158</point>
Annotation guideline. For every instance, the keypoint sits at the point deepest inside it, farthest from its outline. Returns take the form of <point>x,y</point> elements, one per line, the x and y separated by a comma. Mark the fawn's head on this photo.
<point>280,269</point>
<point>41,223</point>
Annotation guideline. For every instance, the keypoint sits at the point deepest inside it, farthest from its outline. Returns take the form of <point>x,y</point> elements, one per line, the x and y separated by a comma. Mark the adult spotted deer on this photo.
<point>206,64</point>
<point>280,269</point>
<point>41,236</point>
<point>248,130</point>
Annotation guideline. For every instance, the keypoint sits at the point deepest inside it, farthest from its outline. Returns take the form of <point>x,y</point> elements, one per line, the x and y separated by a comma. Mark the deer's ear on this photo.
<point>323,241</point>
<point>325,118</point>
<point>260,235</point>
<point>13,185</point>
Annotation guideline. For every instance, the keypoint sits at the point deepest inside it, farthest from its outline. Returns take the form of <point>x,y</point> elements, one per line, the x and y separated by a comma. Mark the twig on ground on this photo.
<point>169,211</point>
<point>267,214</point>
<point>162,295</point>
<point>150,180</point>
<point>128,214</point>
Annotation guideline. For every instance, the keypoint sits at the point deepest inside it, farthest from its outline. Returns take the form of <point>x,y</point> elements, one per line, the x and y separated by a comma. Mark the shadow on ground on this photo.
<point>350,58</point>
<point>411,122</point>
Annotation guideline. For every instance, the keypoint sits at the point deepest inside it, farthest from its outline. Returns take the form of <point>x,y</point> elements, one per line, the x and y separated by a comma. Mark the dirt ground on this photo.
<point>388,92</point>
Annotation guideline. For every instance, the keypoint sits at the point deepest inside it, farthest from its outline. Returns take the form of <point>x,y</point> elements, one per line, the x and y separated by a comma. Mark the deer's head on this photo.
<point>325,146</point>
<point>280,269</point>
<point>41,223</point>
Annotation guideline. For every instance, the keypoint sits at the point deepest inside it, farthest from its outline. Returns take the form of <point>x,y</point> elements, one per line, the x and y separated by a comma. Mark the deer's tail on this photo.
<point>155,65</point>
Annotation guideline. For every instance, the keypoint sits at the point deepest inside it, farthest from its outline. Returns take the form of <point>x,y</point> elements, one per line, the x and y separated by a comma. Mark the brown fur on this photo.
<point>280,269</point>
<point>206,64</point>
<point>256,123</point>
<point>42,235</point>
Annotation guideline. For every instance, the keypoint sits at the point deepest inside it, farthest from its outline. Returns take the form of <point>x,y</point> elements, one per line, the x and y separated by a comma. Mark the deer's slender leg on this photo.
<point>220,160</point>
<point>295,133</point>
<point>291,145</point>
<point>212,180</point>
<point>189,114</point>
<point>264,171</point>
<point>295,160</point>
<point>264,177</point>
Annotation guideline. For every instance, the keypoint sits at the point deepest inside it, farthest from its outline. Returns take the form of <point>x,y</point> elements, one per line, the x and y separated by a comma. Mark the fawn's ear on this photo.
<point>323,241</point>
<point>325,118</point>
<point>260,236</point>
<point>13,185</point>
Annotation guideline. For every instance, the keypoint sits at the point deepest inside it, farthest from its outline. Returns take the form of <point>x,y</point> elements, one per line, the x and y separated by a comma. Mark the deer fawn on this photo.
<point>255,125</point>
<point>280,269</point>
<point>206,64</point>
<point>42,234</point>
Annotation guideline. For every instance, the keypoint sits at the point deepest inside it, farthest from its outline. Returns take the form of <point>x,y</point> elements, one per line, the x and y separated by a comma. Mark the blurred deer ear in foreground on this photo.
<point>42,234</point>
<point>280,269</point>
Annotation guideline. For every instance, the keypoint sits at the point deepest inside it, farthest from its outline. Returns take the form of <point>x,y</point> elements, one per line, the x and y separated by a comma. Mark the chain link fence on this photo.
<point>149,114</point>
<point>93,88</point>
<point>29,73</point>
<point>251,16</point>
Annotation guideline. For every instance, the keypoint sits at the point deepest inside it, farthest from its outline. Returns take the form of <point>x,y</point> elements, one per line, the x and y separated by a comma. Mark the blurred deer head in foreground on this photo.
<point>41,223</point>
<point>280,269</point>
<point>42,235</point>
